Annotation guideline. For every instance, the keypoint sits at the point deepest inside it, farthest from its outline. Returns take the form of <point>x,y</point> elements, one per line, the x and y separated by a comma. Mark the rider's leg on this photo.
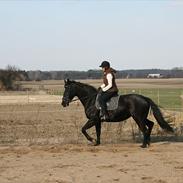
<point>103,98</point>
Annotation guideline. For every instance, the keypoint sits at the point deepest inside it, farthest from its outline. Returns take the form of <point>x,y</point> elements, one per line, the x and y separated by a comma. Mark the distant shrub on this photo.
<point>9,76</point>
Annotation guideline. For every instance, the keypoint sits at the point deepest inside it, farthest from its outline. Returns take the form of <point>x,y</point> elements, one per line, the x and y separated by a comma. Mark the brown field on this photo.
<point>122,83</point>
<point>41,142</point>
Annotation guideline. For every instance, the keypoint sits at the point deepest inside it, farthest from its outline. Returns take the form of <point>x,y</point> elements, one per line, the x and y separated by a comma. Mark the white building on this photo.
<point>154,76</point>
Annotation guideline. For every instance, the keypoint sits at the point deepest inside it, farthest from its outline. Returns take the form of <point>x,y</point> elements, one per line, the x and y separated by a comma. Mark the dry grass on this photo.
<point>51,124</point>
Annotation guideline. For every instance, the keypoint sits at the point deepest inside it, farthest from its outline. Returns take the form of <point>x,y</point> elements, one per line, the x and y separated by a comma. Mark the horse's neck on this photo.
<point>85,96</point>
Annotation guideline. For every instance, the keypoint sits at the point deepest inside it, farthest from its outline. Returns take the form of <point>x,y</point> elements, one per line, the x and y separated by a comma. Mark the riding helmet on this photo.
<point>105,64</point>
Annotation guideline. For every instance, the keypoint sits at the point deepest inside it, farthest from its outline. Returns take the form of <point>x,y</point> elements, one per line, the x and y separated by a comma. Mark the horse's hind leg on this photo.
<point>141,124</point>
<point>150,125</point>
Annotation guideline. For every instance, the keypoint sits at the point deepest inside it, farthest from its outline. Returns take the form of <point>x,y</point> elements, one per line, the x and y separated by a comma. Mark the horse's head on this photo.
<point>69,92</point>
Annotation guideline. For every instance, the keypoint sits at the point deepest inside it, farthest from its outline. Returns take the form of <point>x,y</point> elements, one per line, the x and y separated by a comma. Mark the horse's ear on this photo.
<point>66,81</point>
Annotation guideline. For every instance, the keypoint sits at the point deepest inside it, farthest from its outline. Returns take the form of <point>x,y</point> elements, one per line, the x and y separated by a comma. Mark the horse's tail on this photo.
<point>159,117</point>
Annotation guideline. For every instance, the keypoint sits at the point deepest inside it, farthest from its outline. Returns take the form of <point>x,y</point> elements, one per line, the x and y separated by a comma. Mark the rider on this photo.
<point>108,89</point>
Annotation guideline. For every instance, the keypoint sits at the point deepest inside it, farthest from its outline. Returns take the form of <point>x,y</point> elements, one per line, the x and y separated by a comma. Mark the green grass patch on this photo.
<point>169,98</point>
<point>165,97</point>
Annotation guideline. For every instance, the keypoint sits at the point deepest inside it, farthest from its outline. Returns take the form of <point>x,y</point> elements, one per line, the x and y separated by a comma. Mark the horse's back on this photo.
<point>133,100</point>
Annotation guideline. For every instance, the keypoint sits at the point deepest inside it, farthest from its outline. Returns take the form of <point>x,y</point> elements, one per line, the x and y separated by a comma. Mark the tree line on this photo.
<point>97,74</point>
<point>10,75</point>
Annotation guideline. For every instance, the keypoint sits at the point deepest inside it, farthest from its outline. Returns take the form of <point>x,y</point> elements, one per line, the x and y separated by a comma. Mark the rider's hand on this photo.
<point>99,90</point>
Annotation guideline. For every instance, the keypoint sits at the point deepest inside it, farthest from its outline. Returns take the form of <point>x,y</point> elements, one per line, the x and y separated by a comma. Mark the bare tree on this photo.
<point>9,75</point>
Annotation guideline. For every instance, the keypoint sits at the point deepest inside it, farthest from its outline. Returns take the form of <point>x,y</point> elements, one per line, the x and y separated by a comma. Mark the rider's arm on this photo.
<point>109,79</point>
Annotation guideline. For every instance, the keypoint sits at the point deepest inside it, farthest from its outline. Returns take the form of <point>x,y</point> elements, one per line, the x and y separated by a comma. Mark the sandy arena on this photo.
<point>161,163</point>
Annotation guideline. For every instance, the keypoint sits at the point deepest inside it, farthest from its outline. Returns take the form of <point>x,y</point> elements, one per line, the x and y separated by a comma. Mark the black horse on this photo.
<point>131,105</point>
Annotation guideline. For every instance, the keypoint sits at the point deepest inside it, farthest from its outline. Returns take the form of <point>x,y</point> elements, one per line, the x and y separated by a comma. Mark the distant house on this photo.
<point>154,76</point>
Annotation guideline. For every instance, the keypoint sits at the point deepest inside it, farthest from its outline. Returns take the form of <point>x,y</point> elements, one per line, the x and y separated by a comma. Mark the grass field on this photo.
<point>169,98</point>
<point>165,92</point>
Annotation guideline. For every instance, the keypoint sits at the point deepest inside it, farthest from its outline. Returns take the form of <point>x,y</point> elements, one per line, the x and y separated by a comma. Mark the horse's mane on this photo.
<point>86,86</point>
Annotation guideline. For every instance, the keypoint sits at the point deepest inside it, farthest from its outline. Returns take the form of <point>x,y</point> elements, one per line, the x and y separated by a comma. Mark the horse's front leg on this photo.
<point>90,123</point>
<point>98,132</point>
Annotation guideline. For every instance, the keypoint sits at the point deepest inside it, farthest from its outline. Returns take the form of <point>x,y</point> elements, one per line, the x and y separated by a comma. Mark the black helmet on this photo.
<point>105,64</point>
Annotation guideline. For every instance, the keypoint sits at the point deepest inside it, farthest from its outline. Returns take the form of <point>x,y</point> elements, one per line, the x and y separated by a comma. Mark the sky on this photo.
<point>79,35</point>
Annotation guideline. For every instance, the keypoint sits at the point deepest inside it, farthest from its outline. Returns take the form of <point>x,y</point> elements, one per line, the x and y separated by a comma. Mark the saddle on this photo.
<point>112,103</point>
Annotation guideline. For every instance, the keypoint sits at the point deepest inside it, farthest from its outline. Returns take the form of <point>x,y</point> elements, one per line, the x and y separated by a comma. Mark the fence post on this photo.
<point>28,96</point>
<point>158,98</point>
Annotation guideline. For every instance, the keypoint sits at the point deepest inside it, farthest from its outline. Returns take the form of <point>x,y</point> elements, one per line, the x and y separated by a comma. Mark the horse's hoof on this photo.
<point>143,146</point>
<point>96,144</point>
<point>91,144</point>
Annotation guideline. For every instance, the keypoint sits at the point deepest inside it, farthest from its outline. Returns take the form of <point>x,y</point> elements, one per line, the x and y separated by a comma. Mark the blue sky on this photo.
<point>78,35</point>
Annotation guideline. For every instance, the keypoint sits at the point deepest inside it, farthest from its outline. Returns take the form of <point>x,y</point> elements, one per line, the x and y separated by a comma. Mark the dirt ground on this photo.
<point>161,163</point>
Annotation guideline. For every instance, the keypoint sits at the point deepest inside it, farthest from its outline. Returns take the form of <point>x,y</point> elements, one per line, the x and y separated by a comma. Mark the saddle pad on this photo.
<point>112,104</point>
